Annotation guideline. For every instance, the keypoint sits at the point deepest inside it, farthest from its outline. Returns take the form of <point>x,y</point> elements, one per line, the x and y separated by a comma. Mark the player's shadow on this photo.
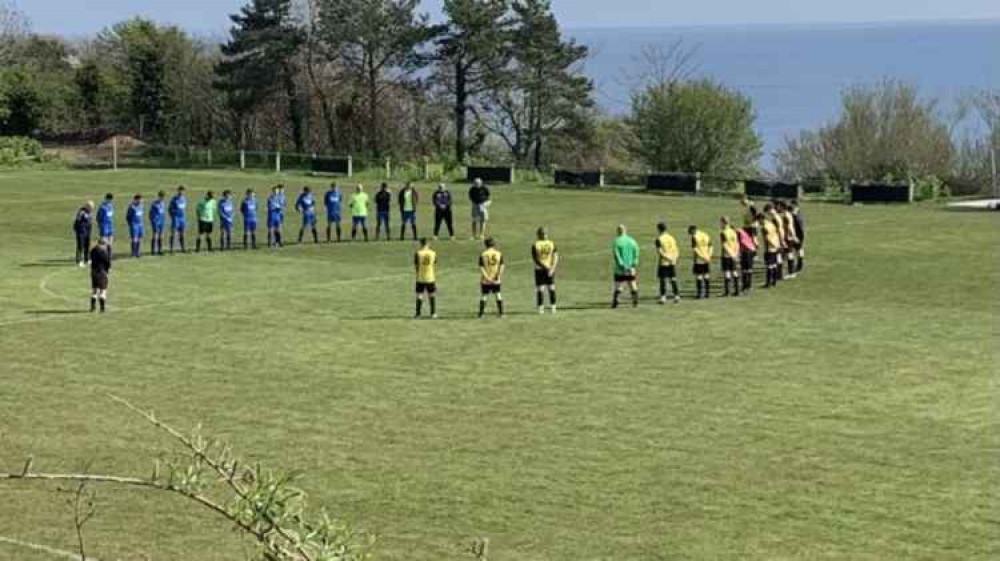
<point>50,263</point>
<point>55,312</point>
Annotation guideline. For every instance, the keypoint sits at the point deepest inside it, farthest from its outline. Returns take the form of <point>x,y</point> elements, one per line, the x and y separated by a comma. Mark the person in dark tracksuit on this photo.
<point>82,225</point>
<point>100,267</point>
<point>442,211</point>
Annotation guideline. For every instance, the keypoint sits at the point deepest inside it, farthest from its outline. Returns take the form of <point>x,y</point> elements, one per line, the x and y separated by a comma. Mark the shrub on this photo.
<point>18,150</point>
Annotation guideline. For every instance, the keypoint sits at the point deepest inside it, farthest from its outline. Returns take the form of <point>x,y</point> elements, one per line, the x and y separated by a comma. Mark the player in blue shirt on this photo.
<point>227,215</point>
<point>332,201</point>
<point>178,217</point>
<point>274,217</point>
<point>106,221</point>
<point>306,204</point>
<point>133,216</point>
<point>249,210</point>
<point>157,222</point>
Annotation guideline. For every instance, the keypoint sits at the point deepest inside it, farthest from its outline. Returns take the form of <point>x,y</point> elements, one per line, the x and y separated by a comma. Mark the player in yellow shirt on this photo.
<point>730,256</point>
<point>425,265</point>
<point>546,259</point>
<point>791,239</point>
<point>771,211</point>
<point>491,268</point>
<point>701,243</point>
<point>669,254</point>
<point>772,246</point>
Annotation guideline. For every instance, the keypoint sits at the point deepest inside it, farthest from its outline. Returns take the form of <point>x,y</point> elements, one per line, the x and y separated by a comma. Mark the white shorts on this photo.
<point>480,212</point>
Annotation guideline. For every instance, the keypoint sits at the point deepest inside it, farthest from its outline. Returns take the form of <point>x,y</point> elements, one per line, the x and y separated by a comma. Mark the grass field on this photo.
<point>850,414</point>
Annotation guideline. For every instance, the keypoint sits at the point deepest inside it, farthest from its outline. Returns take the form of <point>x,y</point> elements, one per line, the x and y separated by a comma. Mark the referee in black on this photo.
<point>442,211</point>
<point>100,266</point>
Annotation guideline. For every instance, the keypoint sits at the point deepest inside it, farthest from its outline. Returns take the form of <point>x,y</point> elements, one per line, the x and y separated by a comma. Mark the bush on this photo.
<point>18,150</point>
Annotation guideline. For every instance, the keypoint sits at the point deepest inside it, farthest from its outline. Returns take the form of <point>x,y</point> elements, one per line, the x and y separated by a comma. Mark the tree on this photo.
<point>379,43</point>
<point>884,130</point>
<point>543,89</point>
<point>473,47</point>
<point>696,126</point>
<point>260,60</point>
<point>13,27</point>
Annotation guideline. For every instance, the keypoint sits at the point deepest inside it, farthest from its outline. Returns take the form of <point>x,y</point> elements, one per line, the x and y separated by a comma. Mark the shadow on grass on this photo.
<point>55,312</point>
<point>51,263</point>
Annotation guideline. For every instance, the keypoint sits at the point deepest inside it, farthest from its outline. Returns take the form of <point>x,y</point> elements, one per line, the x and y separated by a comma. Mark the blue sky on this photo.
<point>80,17</point>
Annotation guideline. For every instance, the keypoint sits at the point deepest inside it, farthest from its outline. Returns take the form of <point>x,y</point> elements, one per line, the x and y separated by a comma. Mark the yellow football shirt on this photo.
<point>702,244</point>
<point>730,242</point>
<point>544,252</point>
<point>788,221</point>
<point>666,245</point>
<point>780,226</point>
<point>490,264</point>
<point>426,261</point>
<point>771,239</point>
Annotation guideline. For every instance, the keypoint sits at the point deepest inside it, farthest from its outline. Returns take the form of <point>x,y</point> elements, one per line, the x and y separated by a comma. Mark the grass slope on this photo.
<point>851,414</point>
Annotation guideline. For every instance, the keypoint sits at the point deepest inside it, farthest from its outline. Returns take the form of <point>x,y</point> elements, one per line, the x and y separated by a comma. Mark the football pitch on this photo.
<point>851,413</point>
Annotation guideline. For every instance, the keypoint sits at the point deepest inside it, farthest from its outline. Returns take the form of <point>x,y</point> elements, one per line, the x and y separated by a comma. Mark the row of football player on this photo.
<point>781,228</point>
<point>225,209</point>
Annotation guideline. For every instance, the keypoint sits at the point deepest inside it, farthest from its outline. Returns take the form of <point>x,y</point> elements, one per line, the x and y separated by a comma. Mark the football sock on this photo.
<point>182,243</point>
<point>338,233</point>
<point>726,283</point>
<point>171,243</point>
<point>674,287</point>
<point>499,307</point>
<point>197,245</point>
<point>102,302</point>
<point>663,288</point>
<point>433,302</point>
<point>253,241</point>
<point>420,305</point>
<point>270,238</point>
<point>635,298</point>
<point>482,307</point>
<point>800,262</point>
<point>93,303</point>
<point>552,297</point>
<point>708,287</point>
<point>539,298</point>
<point>208,242</point>
<point>315,236</point>
<point>614,299</point>
<point>697,284</point>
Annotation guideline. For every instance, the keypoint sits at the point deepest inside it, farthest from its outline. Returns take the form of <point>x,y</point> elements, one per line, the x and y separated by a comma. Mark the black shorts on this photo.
<point>489,289</point>
<point>204,227</point>
<point>771,258</point>
<point>700,269</point>
<point>543,278</point>
<point>746,260</point>
<point>99,282</point>
<point>426,287</point>
<point>666,272</point>
<point>625,278</point>
<point>728,264</point>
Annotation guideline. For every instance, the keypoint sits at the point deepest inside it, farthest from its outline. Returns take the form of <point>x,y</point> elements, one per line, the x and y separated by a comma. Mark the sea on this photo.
<point>795,74</point>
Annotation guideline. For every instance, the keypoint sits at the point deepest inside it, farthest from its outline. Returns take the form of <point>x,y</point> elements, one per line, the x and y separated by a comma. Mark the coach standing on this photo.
<point>100,266</point>
<point>442,211</point>
<point>479,196</point>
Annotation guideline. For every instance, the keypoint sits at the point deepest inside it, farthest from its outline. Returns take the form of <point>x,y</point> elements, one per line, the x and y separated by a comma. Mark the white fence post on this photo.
<point>114,153</point>
<point>350,166</point>
<point>388,168</point>
<point>209,156</point>
<point>277,162</point>
<point>243,159</point>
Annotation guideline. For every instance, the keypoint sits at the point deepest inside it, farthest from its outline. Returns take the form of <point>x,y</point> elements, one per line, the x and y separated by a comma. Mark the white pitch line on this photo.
<point>55,552</point>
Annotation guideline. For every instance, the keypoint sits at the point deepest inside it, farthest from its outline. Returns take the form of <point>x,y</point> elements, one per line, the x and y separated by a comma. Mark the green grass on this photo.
<point>850,414</point>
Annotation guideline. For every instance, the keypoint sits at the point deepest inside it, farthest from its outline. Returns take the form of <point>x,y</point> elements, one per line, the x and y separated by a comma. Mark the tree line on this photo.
<point>497,80</point>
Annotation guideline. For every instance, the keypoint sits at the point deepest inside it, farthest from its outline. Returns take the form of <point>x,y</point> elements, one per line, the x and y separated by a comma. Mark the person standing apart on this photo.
<point>730,241</point>
<point>625,252</point>
<point>425,263</point>
<point>133,217</point>
<point>479,197</point>
<point>306,205</point>
<point>332,201</point>
<point>748,254</point>
<point>274,218</point>
<point>157,223</point>
<point>227,218</point>
<point>442,211</point>
<point>701,246</point>
<point>491,268</point>
<point>799,224</point>
<point>100,268</point>
<point>359,212</point>
<point>772,247</point>
<point>82,225</point>
<point>178,217</point>
<point>666,271</point>
<point>408,199</point>
<point>546,258</point>
<point>106,222</point>
<point>205,211</point>
<point>249,210</point>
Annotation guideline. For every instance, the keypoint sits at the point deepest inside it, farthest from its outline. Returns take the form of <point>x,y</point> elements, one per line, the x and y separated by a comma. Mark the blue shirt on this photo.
<point>282,201</point>
<point>227,210</point>
<point>157,212</point>
<point>178,207</point>
<point>306,204</point>
<point>134,214</point>
<point>274,203</point>
<point>249,210</point>
<point>332,202</point>
<point>106,217</point>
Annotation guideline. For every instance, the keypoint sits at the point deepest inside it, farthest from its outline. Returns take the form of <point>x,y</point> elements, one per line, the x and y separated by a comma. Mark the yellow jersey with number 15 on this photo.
<point>544,253</point>
<point>666,245</point>
<point>490,263</point>
<point>426,261</point>
<point>730,242</point>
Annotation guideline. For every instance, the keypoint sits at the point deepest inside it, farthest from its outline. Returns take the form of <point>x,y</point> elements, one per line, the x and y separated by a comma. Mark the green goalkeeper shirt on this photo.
<point>626,253</point>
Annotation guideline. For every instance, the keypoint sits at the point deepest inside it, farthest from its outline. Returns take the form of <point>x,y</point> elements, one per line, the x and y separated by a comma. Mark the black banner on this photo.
<point>772,189</point>
<point>331,165</point>
<point>679,182</point>
<point>490,174</point>
<point>881,193</point>
<point>582,178</point>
